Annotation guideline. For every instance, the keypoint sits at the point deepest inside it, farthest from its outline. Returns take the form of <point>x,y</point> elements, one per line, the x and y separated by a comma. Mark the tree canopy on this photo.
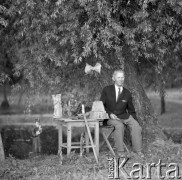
<point>65,33</point>
<point>49,42</point>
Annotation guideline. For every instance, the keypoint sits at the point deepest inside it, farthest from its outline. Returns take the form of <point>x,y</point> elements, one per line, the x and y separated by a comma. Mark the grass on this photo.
<point>80,168</point>
<point>49,167</point>
<point>172,117</point>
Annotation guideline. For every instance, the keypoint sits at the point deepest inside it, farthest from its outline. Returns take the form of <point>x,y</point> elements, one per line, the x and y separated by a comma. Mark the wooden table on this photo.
<point>69,124</point>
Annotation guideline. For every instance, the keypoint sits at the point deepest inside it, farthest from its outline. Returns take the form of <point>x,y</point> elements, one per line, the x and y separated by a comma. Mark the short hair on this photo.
<point>117,71</point>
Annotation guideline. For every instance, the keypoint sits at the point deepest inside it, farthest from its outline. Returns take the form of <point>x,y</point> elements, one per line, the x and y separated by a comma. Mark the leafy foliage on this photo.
<point>60,36</point>
<point>49,42</point>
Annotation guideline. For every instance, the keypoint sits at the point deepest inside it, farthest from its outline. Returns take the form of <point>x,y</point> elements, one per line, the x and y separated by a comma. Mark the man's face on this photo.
<point>118,78</point>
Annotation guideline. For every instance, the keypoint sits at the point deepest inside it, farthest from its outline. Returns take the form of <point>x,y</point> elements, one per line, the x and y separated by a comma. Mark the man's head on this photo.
<point>118,77</point>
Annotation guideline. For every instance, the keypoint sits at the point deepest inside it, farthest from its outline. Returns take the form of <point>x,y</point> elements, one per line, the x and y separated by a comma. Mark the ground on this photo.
<point>76,167</point>
<point>172,117</point>
<point>80,168</point>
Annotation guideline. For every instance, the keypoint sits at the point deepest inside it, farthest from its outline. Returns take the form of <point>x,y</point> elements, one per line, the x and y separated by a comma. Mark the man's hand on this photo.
<point>113,116</point>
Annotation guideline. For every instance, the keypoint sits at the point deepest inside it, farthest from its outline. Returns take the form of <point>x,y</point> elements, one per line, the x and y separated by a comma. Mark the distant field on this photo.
<point>38,104</point>
<point>41,104</point>
<point>173,116</point>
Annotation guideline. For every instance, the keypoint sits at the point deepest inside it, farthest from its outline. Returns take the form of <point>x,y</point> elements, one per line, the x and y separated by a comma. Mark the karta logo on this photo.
<point>117,169</point>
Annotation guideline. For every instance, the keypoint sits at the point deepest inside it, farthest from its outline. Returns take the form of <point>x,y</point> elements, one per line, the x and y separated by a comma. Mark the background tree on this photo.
<point>68,34</point>
<point>54,40</point>
<point>7,54</point>
<point>3,23</point>
<point>165,40</point>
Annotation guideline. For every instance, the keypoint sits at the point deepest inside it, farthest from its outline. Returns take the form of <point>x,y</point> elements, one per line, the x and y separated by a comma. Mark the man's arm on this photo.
<point>103,98</point>
<point>131,109</point>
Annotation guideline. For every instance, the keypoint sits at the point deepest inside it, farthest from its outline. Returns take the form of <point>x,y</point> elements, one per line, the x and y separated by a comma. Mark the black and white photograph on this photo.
<point>90,89</point>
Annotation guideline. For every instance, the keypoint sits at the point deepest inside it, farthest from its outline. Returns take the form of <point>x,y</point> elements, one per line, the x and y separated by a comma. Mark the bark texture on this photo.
<point>142,104</point>
<point>2,156</point>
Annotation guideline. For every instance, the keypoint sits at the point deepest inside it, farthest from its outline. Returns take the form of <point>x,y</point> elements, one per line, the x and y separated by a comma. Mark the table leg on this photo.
<point>68,139</point>
<point>97,138</point>
<point>86,140</point>
<point>60,138</point>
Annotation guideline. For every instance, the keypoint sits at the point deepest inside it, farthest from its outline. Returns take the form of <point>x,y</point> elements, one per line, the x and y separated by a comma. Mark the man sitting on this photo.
<point>118,104</point>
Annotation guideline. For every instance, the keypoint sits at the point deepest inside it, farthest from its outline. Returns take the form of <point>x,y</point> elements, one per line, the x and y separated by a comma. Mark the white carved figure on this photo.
<point>89,68</point>
<point>57,105</point>
<point>38,128</point>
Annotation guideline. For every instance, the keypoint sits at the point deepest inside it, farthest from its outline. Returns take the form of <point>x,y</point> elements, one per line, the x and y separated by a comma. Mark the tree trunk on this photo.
<point>161,86</point>
<point>2,156</point>
<point>5,103</point>
<point>163,104</point>
<point>142,104</point>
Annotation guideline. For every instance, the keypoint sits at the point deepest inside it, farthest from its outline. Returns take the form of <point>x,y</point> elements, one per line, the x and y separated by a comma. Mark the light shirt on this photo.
<point>117,90</point>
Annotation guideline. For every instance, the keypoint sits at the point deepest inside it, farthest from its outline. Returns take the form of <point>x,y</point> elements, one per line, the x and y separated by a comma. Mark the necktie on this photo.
<point>119,91</point>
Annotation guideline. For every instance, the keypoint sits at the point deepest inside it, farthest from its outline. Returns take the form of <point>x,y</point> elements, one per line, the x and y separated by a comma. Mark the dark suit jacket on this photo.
<point>123,108</point>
